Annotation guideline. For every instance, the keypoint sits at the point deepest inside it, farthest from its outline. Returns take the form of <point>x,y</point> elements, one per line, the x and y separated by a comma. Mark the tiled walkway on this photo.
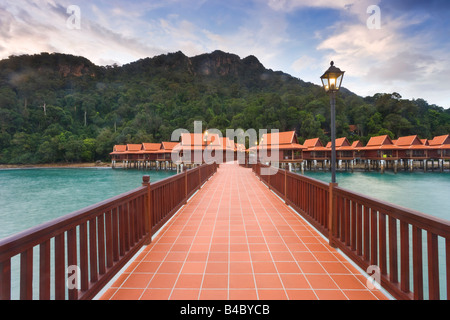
<point>237,240</point>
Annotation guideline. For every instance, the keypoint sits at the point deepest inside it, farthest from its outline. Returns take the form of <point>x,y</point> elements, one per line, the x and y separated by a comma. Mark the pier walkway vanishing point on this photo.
<point>235,239</point>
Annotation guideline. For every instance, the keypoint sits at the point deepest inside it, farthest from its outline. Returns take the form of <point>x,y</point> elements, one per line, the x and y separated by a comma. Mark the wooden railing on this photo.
<point>74,256</point>
<point>409,250</point>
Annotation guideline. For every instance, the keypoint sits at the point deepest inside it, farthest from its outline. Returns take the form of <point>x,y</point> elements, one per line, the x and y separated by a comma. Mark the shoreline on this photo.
<point>56,165</point>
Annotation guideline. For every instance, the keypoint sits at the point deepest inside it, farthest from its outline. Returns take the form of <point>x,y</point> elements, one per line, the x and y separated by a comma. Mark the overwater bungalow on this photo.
<point>165,152</point>
<point>315,150</point>
<point>357,146</point>
<point>205,148</point>
<point>380,148</point>
<point>283,144</point>
<point>148,151</point>
<point>440,147</point>
<point>380,152</point>
<point>118,154</point>
<point>133,151</point>
<point>344,150</point>
<point>141,155</point>
<point>346,154</point>
<point>191,147</point>
<point>412,148</point>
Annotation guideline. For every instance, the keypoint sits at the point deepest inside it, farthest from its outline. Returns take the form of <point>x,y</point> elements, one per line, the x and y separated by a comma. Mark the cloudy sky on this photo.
<point>383,45</point>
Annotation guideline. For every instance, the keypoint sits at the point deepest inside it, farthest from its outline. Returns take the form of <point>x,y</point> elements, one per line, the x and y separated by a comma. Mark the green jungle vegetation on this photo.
<point>62,108</point>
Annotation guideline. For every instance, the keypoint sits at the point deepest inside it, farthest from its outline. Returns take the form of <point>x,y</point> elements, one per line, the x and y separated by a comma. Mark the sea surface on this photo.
<point>426,192</point>
<point>29,197</point>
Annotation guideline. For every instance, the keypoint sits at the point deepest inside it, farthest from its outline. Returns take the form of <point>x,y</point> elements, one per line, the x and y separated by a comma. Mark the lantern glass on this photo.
<point>332,79</point>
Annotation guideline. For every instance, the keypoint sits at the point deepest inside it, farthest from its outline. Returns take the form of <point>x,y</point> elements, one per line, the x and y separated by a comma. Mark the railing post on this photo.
<point>332,215</point>
<point>149,213</point>
<point>185,187</point>
<point>285,186</point>
<point>5,280</point>
<point>199,177</point>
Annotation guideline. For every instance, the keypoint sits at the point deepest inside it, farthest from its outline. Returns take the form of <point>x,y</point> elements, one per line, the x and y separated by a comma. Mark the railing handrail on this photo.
<point>419,219</point>
<point>366,230</point>
<point>54,226</point>
<point>316,182</point>
<point>110,233</point>
<point>66,220</point>
<point>426,221</point>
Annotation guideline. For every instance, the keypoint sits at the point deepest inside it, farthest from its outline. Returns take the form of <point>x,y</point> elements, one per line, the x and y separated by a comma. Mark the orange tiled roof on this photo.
<point>341,142</point>
<point>168,145</point>
<point>408,141</point>
<point>357,144</point>
<point>119,149</point>
<point>379,141</point>
<point>134,147</point>
<point>282,137</point>
<point>311,143</point>
<point>151,146</point>
<point>314,145</point>
<point>286,141</point>
<point>439,140</point>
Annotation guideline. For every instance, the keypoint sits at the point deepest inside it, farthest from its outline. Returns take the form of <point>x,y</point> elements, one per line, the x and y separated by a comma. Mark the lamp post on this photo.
<point>331,81</point>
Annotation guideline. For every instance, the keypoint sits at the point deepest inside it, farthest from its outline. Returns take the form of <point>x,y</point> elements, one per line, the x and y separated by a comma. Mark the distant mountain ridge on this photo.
<point>62,108</point>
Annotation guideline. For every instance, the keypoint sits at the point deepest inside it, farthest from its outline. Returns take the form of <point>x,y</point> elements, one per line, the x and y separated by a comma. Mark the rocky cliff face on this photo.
<point>219,63</point>
<point>25,66</point>
<point>215,64</point>
<point>74,70</point>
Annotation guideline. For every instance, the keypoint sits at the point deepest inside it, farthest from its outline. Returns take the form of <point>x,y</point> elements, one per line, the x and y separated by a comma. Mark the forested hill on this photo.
<point>63,108</point>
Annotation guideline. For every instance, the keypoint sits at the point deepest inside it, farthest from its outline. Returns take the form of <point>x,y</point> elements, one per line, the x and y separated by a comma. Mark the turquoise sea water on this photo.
<point>425,192</point>
<point>428,193</point>
<point>29,197</point>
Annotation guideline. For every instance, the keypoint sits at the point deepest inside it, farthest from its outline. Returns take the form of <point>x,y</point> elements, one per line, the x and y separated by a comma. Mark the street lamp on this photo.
<point>331,81</point>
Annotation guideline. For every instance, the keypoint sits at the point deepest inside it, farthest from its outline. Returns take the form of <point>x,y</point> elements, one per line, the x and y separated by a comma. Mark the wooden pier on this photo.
<point>232,233</point>
<point>237,240</point>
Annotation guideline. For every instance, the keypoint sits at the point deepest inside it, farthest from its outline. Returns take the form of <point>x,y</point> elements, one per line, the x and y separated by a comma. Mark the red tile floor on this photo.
<point>236,240</point>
